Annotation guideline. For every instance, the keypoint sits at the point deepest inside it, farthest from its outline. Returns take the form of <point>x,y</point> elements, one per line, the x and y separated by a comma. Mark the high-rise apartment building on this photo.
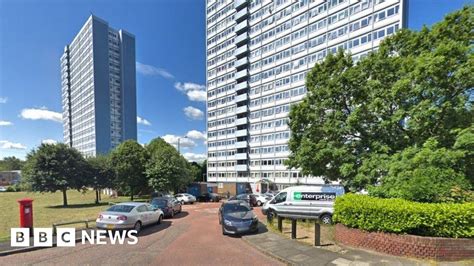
<point>99,88</point>
<point>258,54</point>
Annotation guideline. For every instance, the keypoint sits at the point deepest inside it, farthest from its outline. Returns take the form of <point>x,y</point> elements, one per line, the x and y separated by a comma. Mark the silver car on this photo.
<point>185,198</point>
<point>129,215</point>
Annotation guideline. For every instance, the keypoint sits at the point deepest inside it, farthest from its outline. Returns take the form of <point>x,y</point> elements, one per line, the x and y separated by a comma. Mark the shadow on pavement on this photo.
<point>262,228</point>
<point>152,229</point>
<point>180,215</point>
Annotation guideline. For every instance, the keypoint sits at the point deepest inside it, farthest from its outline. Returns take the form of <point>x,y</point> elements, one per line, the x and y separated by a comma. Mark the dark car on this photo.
<point>169,206</point>
<point>237,217</point>
<point>209,197</point>
<point>249,198</point>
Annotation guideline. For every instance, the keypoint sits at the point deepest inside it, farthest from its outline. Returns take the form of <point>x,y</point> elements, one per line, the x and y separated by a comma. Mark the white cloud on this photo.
<point>149,70</point>
<point>41,114</point>
<point>49,141</point>
<point>5,144</point>
<point>4,123</point>
<point>197,96</point>
<point>3,99</point>
<point>143,121</point>
<point>188,86</point>
<point>193,113</point>
<point>194,134</point>
<point>195,157</point>
<point>195,92</point>
<point>183,142</point>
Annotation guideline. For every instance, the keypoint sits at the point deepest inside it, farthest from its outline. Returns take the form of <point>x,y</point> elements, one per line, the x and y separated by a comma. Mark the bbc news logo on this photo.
<point>66,237</point>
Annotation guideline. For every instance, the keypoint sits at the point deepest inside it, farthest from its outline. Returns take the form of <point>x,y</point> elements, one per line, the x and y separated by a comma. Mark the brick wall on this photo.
<point>438,248</point>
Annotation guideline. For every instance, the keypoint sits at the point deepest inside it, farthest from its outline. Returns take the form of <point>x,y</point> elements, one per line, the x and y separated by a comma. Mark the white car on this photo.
<point>129,215</point>
<point>261,199</point>
<point>185,198</point>
<point>3,189</point>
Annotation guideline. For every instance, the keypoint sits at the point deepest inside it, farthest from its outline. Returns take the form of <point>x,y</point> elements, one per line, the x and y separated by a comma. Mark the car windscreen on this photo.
<point>230,208</point>
<point>121,208</point>
<point>159,202</point>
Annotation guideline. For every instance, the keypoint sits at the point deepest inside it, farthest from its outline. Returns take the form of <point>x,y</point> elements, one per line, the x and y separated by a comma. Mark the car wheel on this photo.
<point>182,202</point>
<point>326,219</point>
<point>223,231</point>
<point>160,219</point>
<point>137,227</point>
<point>271,214</point>
<point>192,202</point>
<point>259,203</point>
<point>172,214</point>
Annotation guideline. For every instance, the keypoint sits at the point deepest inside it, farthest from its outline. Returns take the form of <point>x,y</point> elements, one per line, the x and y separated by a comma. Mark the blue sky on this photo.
<point>170,51</point>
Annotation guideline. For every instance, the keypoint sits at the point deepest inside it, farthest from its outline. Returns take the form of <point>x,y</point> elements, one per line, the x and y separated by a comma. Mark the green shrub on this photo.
<point>401,216</point>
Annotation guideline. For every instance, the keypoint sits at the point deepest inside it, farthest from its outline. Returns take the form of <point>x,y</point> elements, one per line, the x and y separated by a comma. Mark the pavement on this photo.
<point>193,237</point>
<point>295,253</point>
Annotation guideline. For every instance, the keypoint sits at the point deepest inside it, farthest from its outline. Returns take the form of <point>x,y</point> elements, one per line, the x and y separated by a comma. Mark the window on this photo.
<point>281,197</point>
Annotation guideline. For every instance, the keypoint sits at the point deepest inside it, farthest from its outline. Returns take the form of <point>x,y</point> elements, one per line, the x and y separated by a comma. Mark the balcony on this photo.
<point>241,121</point>
<point>241,98</point>
<point>241,86</point>
<point>241,144</point>
<point>241,15</point>
<point>241,62</point>
<point>238,4</point>
<point>240,156</point>
<point>242,74</point>
<point>241,109</point>
<point>241,168</point>
<point>241,133</point>
<point>239,52</point>
<point>241,39</point>
<point>241,27</point>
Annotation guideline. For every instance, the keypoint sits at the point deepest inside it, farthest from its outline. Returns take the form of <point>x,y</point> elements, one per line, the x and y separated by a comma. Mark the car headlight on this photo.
<point>227,222</point>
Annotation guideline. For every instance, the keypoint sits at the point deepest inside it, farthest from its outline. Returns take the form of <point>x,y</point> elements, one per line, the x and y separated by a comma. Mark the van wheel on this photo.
<point>259,203</point>
<point>271,214</point>
<point>326,219</point>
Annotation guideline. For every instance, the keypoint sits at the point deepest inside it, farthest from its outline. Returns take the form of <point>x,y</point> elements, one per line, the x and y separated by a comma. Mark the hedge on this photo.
<point>405,217</point>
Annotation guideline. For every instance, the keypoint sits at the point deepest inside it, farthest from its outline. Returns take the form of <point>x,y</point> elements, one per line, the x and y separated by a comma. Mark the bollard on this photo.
<point>280,224</point>
<point>317,234</point>
<point>293,228</point>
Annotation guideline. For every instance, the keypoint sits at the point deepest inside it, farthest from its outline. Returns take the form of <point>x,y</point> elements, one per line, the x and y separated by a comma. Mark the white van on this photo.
<point>304,202</point>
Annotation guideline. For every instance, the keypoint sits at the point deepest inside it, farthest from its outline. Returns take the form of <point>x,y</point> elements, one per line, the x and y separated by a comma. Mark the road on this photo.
<point>193,237</point>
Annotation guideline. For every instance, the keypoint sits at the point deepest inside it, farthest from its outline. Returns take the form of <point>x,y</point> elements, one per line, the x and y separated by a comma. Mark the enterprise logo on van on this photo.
<point>314,196</point>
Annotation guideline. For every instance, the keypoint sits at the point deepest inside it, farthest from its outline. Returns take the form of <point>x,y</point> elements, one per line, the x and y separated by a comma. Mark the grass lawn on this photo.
<point>48,209</point>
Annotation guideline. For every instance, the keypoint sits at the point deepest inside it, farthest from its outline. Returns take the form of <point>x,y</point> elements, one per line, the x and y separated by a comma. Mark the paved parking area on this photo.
<point>193,237</point>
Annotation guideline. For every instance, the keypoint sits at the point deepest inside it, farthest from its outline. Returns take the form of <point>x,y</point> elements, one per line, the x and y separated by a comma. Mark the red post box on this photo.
<point>26,213</point>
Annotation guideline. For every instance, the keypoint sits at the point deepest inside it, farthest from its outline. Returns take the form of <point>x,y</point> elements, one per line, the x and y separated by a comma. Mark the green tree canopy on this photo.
<point>415,88</point>
<point>128,161</point>
<point>101,174</point>
<point>167,169</point>
<point>54,167</point>
<point>11,163</point>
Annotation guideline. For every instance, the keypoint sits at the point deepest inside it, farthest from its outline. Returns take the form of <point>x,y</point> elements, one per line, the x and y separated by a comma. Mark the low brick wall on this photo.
<point>437,248</point>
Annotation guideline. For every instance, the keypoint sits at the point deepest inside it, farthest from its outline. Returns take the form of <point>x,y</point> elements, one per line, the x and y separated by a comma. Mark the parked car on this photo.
<point>262,198</point>
<point>209,197</point>
<point>129,215</point>
<point>185,198</point>
<point>170,206</point>
<point>237,217</point>
<point>304,202</point>
<point>249,198</point>
<point>3,189</point>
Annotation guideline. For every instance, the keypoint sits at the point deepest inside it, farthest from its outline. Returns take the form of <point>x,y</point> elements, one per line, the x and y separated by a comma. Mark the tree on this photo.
<point>167,169</point>
<point>128,161</point>
<point>11,163</point>
<point>356,116</point>
<point>196,171</point>
<point>204,171</point>
<point>54,167</point>
<point>101,174</point>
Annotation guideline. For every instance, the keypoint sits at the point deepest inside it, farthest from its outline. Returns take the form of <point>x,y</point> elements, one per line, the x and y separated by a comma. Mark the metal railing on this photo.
<point>317,228</point>
<point>86,222</point>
